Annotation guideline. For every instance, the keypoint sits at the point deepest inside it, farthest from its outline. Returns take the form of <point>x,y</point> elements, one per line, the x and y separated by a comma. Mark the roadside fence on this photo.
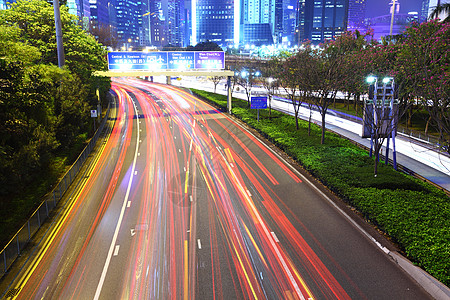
<point>14,247</point>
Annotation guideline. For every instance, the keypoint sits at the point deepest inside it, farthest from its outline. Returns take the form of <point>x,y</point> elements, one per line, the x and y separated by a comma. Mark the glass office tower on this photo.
<point>320,20</point>
<point>214,20</point>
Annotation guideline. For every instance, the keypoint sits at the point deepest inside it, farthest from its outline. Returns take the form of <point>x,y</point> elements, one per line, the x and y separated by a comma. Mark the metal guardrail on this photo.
<point>14,247</point>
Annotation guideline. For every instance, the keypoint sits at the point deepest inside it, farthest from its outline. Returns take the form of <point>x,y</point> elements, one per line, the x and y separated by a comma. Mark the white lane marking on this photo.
<point>135,172</point>
<point>129,204</point>
<point>275,237</point>
<point>190,146</point>
<point>139,154</point>
<point>190,198</point>
<point>179,150</point>
<point>175,137</point>
<point>199,244</point>
<point>248,192</point>
<point>133,231</point>
<point>116,250</point>
<point>119,222</point>
<point>184,168</point>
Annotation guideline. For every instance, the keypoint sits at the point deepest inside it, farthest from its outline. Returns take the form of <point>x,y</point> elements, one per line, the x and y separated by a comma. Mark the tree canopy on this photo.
<point>43,109</point>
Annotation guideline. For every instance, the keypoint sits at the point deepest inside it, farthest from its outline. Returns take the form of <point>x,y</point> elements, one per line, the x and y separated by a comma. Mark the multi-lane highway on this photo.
<point>182,202</point>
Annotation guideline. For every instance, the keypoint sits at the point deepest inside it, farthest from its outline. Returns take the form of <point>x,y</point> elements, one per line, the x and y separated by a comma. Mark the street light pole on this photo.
<point>392,18</point>
<point>59,38</point>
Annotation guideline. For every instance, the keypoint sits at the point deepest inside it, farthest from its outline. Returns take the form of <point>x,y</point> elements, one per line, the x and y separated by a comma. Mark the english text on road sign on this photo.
<point>258,102</point>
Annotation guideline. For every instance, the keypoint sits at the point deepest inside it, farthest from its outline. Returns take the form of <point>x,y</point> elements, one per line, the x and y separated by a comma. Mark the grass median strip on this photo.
<point>412,213</point>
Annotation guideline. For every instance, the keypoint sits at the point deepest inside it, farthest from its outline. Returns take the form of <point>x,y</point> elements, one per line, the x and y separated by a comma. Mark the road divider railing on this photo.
<point>14,247</point>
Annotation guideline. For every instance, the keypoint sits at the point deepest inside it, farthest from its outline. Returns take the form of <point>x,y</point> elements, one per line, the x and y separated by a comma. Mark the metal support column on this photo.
<point>229,94</point>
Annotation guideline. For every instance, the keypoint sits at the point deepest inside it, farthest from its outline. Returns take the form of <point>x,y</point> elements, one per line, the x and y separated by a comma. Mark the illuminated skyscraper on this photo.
<point>356,15</point>
<point>129,17</point>
<point>82,9</point>
<point>424,11</point>
<point>261,21</point>
<point>319,20</point>
<point>176,23</point>
<point>214,20</point>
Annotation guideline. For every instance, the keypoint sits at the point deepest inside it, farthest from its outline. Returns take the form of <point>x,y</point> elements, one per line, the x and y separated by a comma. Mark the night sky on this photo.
<point>376,8</point>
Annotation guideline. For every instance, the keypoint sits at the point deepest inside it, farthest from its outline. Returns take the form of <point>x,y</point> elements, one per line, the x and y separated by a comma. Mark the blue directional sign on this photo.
<point>162,60</point>
<point>209,60</point>
<point>125,61</point>
<point>181,60</point>
<point>258,102</point>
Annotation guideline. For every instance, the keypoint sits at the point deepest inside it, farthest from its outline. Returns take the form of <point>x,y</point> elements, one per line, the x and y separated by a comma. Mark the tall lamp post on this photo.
<point>392,18</point>
<point>59,40</point>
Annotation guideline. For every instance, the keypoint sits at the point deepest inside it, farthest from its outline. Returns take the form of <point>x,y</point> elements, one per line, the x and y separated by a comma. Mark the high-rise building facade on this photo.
<point>82,9</point>
<point>261,21</point>
<point>176,23</point>
<point>129,20</point>
<point>424,11</point>
<point>320,20</point>
<point>214,20</point>
<point>99,10</point>
<point>356,15</point>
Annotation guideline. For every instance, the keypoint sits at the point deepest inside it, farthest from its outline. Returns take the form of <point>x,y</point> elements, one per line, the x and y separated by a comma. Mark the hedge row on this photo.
<point>412,213</point>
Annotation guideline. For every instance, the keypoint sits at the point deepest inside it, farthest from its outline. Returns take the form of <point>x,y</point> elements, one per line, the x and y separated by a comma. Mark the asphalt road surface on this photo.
<point>182,202</point>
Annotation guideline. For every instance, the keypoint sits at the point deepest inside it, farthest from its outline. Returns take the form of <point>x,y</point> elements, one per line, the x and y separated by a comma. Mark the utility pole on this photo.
<point>392,18</point>
<point>59,40</point>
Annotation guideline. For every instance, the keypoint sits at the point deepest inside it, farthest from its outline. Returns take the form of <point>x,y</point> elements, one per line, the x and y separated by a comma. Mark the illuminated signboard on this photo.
<point>181,60</point>
<point>209,60</point>
<point>171,60</point>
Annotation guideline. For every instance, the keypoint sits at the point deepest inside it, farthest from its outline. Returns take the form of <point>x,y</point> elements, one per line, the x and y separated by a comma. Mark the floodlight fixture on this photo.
<point>371,79</point>
<point>387,79</point>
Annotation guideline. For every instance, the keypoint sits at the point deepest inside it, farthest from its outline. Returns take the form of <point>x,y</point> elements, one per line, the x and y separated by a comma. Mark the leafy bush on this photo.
<point>412,213</point>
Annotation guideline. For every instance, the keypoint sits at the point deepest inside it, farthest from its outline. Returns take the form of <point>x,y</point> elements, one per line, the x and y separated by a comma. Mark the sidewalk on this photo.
<point>411,152</point>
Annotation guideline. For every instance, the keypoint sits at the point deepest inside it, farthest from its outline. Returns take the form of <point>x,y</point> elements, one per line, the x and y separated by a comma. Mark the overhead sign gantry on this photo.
<point>169,64</point>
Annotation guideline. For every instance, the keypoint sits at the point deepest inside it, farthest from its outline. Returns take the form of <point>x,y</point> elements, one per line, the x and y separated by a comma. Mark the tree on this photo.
<point>269,72</point>
<point>423,63</point>
<point>36,22</point>
<point>215,80</point>
<point>246,78</point>
<point>327,74</point>
<point>205,46</point>
<point>43,108</point>
<point>297,75</point>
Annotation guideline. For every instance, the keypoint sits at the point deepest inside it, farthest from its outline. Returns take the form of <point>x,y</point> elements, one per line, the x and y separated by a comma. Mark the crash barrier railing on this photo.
<point>15,246</point>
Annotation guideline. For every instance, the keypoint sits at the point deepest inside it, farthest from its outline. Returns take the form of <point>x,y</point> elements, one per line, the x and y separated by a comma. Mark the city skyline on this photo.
<point>260,22</point>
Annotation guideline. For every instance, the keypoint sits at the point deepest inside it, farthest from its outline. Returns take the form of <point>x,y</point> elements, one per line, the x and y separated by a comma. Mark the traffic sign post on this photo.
<point>94,115</point>
<point>258,103</point>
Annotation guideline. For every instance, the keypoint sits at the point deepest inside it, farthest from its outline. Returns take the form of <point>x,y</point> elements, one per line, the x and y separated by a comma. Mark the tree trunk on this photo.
<point>348,101</point>
<point>270,105</point>
<point>426,126</point>
<point>309,122</point>
<point>322,141</point>
<point>377,148</point>
<point>410,114</point>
